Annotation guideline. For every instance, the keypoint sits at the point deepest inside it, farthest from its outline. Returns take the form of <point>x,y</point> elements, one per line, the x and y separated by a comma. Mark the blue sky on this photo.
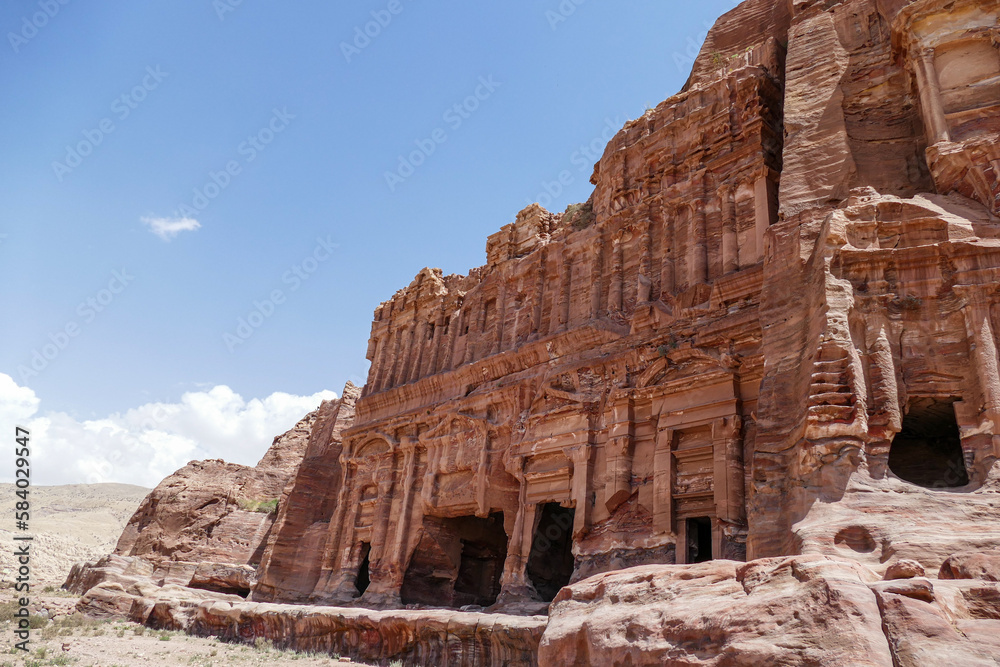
<point>278,139</point>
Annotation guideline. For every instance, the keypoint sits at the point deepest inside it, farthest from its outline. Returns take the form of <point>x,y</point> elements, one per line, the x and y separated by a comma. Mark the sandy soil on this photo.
<point>72,639</point>
<point>83,522</point>
<point>69,524</point>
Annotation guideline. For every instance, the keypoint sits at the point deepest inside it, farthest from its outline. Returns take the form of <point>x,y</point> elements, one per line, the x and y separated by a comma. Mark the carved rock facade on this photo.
<point>769,331</point>
<point>581,402</point>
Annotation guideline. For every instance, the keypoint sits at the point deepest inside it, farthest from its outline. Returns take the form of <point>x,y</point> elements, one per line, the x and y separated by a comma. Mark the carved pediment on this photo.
<point>684,362</point>
<point>457,442</point>
<point>373,447</point>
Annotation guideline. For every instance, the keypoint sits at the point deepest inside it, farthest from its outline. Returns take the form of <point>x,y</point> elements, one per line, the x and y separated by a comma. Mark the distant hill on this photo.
<point>69,523</point>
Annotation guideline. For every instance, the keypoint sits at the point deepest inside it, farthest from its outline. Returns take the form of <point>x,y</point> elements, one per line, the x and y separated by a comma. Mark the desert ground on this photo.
<point>80,522</point>
<point>69,524</point>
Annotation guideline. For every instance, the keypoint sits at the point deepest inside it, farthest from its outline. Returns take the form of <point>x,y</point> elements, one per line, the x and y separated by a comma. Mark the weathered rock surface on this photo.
<point>875,433</point>
<point>131,588</point>
<point>904,569</point>
<point>972,565</point>
<point>795,611</point>
<point>127,570</point>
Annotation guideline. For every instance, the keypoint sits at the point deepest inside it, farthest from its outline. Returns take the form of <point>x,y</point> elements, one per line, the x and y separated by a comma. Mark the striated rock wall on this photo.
<point>875,440</point>
<point>796,611</point>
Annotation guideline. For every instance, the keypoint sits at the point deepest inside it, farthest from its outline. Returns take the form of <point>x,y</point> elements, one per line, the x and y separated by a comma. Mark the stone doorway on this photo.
<point>457,562</point>
<point>364,576</point>
<point>699,539</point>
<point>928,450</point>
<point>550,563</point>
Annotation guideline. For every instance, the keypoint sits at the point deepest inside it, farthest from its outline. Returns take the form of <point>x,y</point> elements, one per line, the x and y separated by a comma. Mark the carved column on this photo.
<point>667,267</point>
<point>565,288</point>
<point>378,369</point>
<point>730,250</point>
<point>430,474</point>
<point>385,477</point>
<point>621,431</point>
<point>536,316</point>
<point>663,481</point>
<point>977,321</point>
<point>617,273</point>
<point>746,247</point>
<point>930,97</point>
<point>405,348</point>
<point>454,331</point>
<point>436,343</point>
<point>698,267</point>
<point>728,469</point>
<point>683,240</point>
<point>580,490</point>
<point>417,350</point>
<point>514,580</point>
<point>474,316</point>
<point>644,287</point>
<point>481,479</point>
<point>400,545</point>
<point>596,275</point>
<point>397,346</point>
<point>762,211</point>
<point>885,391</point>
<point>500,312</point>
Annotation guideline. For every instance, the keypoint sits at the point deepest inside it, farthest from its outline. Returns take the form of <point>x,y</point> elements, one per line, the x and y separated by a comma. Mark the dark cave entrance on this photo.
<point>550,563</point>
<point>364,576</point>
<point>458,562</point>
<point>699,539</point>
<point>928,450</point>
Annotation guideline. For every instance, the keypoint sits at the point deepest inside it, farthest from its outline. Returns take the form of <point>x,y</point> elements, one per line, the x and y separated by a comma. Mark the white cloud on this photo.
<point>168,228</point>
<point>145,444</point>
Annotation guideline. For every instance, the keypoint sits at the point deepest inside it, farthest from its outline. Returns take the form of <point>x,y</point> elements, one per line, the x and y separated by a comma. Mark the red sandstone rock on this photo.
<point>904,569</point>
<point>290,565</point>
<point>794,611</point>
<point>427,637</point>
<point>803,610</point>
<point>972,565</point>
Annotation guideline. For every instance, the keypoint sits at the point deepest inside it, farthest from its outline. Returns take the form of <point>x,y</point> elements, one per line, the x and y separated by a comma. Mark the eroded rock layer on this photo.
<point>131,589</point>
<point>795,611</point>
